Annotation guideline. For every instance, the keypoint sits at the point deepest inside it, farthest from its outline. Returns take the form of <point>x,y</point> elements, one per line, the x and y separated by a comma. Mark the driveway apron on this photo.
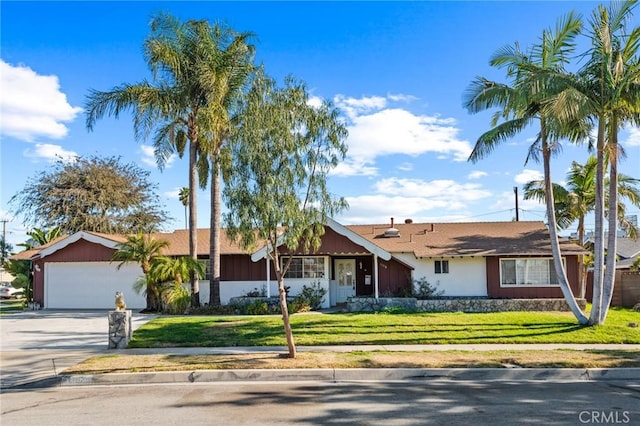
<point>37,345</point>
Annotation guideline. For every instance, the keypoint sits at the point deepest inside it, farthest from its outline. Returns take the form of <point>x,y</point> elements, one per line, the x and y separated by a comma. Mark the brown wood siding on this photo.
<point>38,281</point>
<point>240,267</point>
<point>333,244</point>
<point>82,251</point>
<point>395,278</point>
<point>494,290</point>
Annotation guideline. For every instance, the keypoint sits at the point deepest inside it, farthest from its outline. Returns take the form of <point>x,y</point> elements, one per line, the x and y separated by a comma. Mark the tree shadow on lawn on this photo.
<point>251,334</point>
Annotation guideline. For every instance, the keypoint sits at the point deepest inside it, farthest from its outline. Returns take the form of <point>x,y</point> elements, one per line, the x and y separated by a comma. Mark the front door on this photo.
<point>346,278</point>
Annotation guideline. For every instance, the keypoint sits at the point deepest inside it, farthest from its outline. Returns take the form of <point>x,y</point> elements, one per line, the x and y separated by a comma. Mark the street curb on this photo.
<point>354,375</point>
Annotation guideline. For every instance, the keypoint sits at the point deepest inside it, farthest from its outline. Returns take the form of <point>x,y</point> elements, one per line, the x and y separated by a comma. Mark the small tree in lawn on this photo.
<point>275,190</point>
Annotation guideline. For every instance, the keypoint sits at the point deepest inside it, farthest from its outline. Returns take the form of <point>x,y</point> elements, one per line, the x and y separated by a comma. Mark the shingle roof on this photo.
<point>29,254</point>
<point>179,243</point>
<point>466,239</point>
<point>420,239</point>
<point>628,248</point>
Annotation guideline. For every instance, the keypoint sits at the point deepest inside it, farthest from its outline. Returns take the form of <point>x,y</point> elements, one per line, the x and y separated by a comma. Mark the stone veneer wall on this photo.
<point>370,304</point>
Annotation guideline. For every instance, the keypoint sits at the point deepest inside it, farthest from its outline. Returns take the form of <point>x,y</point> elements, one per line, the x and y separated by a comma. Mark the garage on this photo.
<point>90,285</point>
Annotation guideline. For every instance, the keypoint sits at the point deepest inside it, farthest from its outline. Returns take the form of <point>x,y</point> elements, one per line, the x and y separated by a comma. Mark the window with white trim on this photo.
<point>305,267</point>
<point>538,272</point>
<point>442,267</point>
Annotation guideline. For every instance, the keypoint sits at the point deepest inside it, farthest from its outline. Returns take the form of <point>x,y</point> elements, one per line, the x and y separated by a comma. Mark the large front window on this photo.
<point>527,272</point>
<point>305,267</point>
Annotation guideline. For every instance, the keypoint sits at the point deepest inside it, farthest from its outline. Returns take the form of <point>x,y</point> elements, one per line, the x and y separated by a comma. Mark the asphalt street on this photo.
<point>413,402</point>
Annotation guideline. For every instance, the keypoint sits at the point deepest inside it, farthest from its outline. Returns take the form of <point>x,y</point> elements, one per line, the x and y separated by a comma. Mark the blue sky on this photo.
<point>397,70</point>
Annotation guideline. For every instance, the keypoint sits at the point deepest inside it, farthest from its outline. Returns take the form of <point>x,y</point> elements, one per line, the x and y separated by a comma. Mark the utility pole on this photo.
<point>4,238</point>
<point>515,191</point>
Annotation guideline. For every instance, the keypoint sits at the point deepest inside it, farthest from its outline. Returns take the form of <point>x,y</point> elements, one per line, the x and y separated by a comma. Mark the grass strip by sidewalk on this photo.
<point>313,329</point>
<point>361,359</point>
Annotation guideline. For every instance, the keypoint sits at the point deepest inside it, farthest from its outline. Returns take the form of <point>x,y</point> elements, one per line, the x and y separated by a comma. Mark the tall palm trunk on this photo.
<point>598,246</point>
<point>214,237</point>
<point>193,219</point>
<point>553,232</point>
<point>610,269</point>
<point>582,266</point>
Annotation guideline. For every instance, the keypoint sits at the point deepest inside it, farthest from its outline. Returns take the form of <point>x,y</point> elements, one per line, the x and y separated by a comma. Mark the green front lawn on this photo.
<point>385,329</point>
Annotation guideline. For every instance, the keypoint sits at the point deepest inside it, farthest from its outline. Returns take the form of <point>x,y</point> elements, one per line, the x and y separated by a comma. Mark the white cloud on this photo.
<point>405,167</point>
<point>529,209</point>
<point>476,174</point>
<point>149,157</point>
<point>399,97</point>
<point>447,190</point>
<point>633,137</point>
<point>353,107</point>
<point>414,198</point>
<point>351,167</point>
<point>49,152</point>
<point>527,175</point>
<point>315,101</point>
<point>376,131</point>
<point>174,194</point>
<point>32,105</point>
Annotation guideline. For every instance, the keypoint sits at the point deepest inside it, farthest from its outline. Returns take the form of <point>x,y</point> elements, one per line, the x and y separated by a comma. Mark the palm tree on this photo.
<point>180,106</point>
<point>607,91</point>
<point>183,196</point>
<point>170,274</point>
<point>39,237</point>
<point>142,248</point>
<point>234,67</point>
<point>577,199</point>
<point>522,104</point>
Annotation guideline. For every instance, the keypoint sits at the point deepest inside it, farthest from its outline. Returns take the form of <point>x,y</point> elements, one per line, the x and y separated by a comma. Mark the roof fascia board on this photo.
<point>81,235</point>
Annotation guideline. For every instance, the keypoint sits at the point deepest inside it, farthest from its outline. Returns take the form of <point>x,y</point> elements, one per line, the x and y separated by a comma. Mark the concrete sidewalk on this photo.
<point>336,374</point>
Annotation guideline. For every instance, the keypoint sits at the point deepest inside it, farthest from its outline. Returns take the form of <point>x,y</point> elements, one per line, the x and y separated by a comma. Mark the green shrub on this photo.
<point>175,298</point>
<point>256,307</point>
<point>312,295</point>
<point>423,290</point>
<point>394,310</point>
<point>298,306</point>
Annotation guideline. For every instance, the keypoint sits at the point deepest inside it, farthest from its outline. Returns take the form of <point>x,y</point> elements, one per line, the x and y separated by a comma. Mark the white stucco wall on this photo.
<point>229,289</point>
<point>467,276</point>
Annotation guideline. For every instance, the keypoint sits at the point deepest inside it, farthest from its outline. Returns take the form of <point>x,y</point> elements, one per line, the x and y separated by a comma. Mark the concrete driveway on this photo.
<point>36,345</point>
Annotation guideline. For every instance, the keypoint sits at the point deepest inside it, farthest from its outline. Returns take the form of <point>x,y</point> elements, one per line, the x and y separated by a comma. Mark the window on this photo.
<point>442,266</point>
<point>207,264</point>
<point>305,267</point>
<point>527,272</point>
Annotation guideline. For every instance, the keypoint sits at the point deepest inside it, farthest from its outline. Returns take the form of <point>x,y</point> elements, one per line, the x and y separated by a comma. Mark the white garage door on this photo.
<point>90,285</point>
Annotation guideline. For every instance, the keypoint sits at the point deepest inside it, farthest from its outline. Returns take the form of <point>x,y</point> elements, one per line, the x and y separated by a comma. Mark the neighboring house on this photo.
<point>628,250</point>
<point>626,288</point>
<point>483,259</point>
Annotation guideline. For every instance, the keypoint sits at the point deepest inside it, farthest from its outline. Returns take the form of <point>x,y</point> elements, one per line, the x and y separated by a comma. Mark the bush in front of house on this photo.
<point>175,298</point>
<point>423,289</point>
<point>312,295</point>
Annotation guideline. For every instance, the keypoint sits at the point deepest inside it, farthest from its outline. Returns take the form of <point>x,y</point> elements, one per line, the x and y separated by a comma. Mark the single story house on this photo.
<point>482,259</point>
